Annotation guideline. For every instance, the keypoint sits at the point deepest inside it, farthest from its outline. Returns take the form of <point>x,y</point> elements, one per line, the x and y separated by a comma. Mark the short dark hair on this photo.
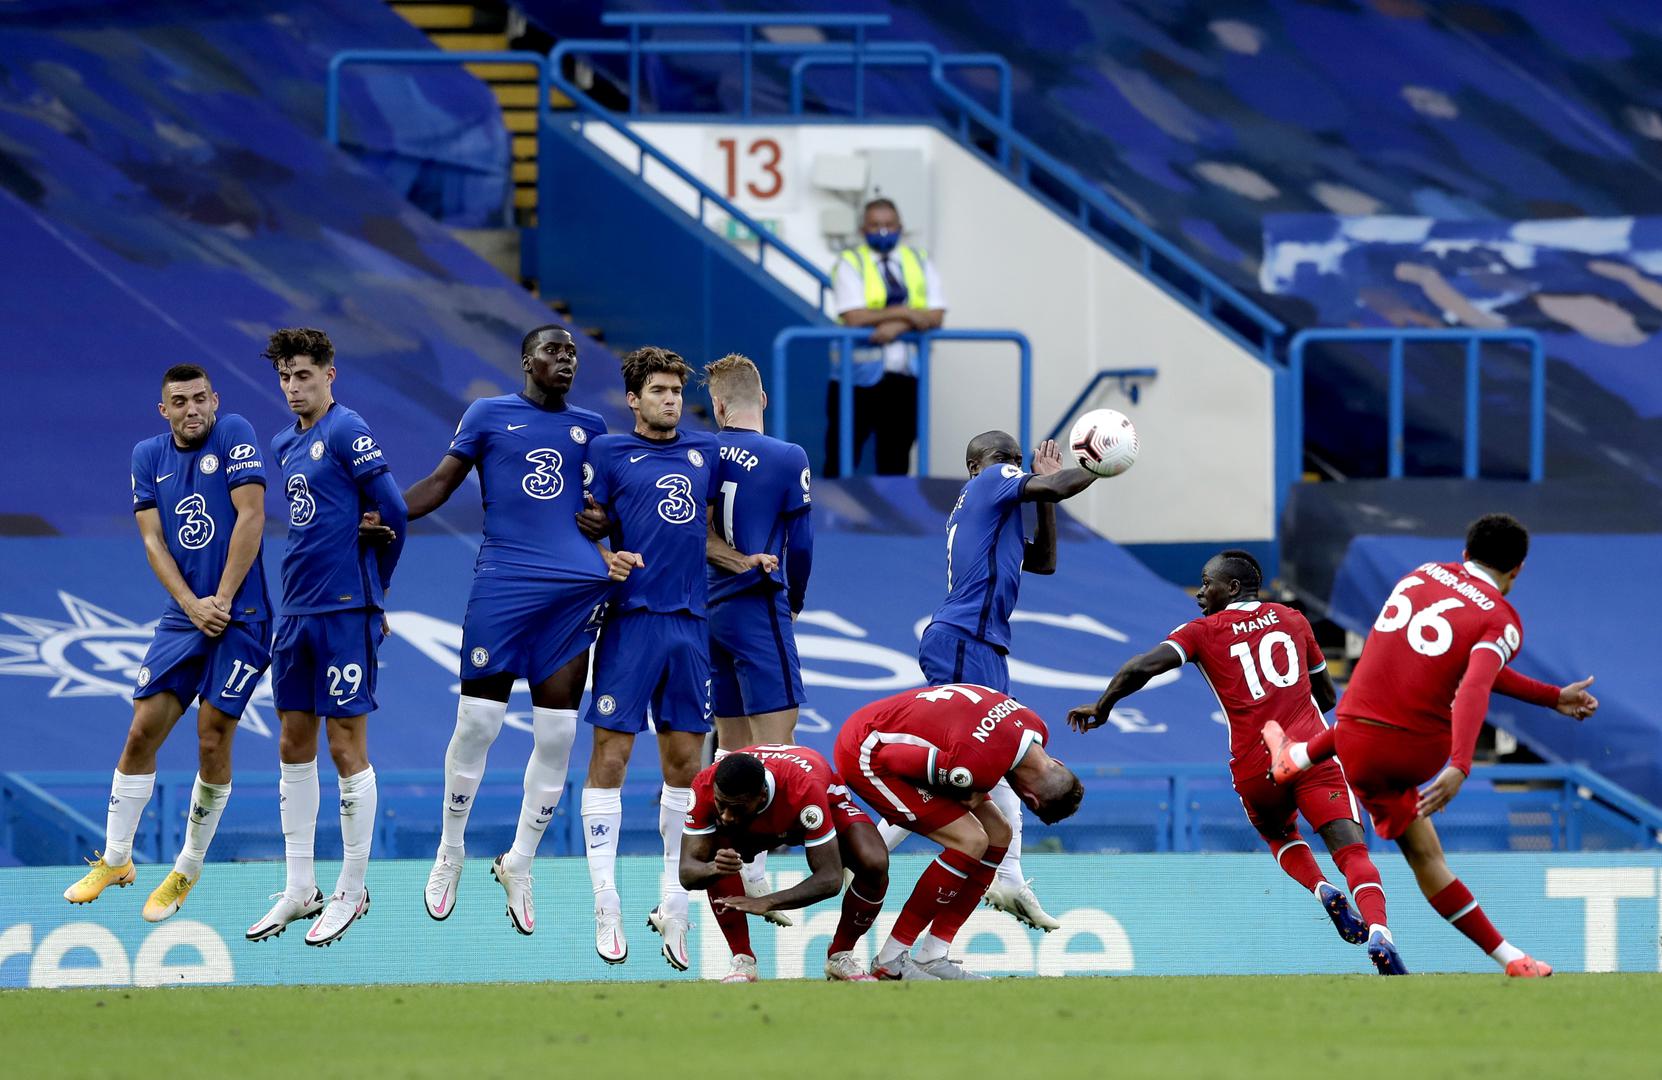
<point>651,360</point>
<point>286,344</point>
<point>1498,541</point>
<point>740,776</point>
<point>1241,566</point>
<point>185,373</point>
<point>880,203</point>
<point>534,333</point>
<point>1064,802</point>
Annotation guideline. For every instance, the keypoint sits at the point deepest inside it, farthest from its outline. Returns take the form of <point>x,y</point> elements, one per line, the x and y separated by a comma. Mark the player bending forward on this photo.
<point>1445,635</point>
<point>927,759</point>
<point>763,796</point>
<point>1263,663</point>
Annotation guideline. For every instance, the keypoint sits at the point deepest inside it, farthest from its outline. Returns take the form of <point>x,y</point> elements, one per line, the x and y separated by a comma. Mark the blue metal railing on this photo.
<point>422,57</point>
<point>1168,266</point>
<point>1183,803</point>
<point>1397,340</point>
<point>899,54</point>
<point>1126,377</point>
<point>846,338</point>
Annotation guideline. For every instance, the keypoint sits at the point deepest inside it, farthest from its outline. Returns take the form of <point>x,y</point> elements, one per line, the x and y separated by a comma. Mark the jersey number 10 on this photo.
<point>1268,646</point>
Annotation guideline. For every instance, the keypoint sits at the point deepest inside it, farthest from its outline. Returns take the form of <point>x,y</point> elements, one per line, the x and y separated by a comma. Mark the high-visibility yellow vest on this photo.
<point>864,260</point>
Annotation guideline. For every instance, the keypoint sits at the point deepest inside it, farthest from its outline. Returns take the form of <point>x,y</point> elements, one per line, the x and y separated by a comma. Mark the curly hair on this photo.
<point>286,344</point>
<point>651,360</point>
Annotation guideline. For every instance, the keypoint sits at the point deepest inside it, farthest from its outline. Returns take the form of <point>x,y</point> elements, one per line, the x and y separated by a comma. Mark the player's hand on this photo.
<point>619,564</point>
<point>207,616</point>
<point>762,561</point>
<point>750,905</point>
<point>1083,718</point>
<point>727,861</point>
<point>886,331</point>
<point>1575,702</point>
<point>592,521</point>
<point>371,531</point>
<point>1440,791</point>
<point>1047,458</point>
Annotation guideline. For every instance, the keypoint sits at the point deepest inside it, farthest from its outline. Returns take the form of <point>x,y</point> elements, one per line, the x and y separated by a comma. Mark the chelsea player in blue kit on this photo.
<point>199,499</point>
<point>539,589</point>
<point>329,627</point>
<point>968,640</point>
<point>655,484</point>
<point>763,503</point>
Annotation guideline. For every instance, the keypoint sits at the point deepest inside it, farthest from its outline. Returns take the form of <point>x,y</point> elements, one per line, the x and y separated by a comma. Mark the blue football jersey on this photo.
<point>984,551</point>
<point>761,482</point>
<point>532,466</point>
<point>192,491</point>
<point>657,493</point>
<point>325,567</point>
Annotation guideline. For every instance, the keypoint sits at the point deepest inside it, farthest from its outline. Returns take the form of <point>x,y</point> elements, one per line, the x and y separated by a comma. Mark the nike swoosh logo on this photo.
<point>228,693</point>
<point>600,844</point>
<point>632,459</point>
<point>159,479</point>
<point>516,427</point>
<point>344,700</point>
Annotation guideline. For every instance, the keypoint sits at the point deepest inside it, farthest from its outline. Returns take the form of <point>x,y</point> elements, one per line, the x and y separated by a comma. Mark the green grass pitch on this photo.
<point>1285,1026</point>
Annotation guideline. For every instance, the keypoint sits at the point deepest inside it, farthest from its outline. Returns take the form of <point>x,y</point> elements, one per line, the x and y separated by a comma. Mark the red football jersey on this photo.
<point>1257,657</point>
<point>802,787</point>
<point>970,736</point>
<point>1418,648</point>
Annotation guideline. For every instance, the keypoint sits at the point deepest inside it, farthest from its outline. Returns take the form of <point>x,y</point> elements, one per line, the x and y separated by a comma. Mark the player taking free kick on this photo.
<point>1262,662</point>
<point>1445,635</point>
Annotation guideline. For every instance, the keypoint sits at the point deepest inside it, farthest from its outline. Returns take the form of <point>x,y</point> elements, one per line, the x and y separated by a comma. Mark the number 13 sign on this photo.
<point>752,166</point>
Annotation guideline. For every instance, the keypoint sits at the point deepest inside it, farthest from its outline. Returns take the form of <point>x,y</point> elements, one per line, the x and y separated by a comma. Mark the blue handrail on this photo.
<point>1128,384</point>
<point>426,57</point>
<point>901,54</point>
<point>846,338</point>
<point>1397,340</point>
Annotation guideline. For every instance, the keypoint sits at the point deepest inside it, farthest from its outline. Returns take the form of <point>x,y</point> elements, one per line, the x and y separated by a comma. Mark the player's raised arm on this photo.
<point>207,615</point>
<point>1572,699</point>
<point>1039,555</point>
<point>1064,484</point>
<point>1130,678</point>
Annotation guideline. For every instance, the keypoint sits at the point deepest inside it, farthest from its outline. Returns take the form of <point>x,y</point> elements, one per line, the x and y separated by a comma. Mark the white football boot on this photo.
<point>521,912</point>
<point>337,918</point>
<point>442,883</point>
<point>674,932</point>
<point>759,887</point>
<point>1021,904</point>
<point>741,970</point>
<point>609,941</point>
<point>285,911</point>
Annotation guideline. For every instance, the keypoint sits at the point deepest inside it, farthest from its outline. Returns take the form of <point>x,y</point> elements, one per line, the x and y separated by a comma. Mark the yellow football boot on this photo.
<point>169,896</point>
<point>100,877</point>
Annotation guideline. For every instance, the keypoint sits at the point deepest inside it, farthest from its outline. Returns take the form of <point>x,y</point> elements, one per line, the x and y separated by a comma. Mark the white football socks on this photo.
<point>602,816</point>
<point>673,804</point>
<point>358,800</point>
<point>478,722</point>
<point>207,805</point>
<point>756,871</point>
<point>1505,953</point>
<point>1009,804</point>
<point>128,797</point>
<point>545,781</point>
<point>929,948</point>
<point>297,798</point>
<point>1300,755</point>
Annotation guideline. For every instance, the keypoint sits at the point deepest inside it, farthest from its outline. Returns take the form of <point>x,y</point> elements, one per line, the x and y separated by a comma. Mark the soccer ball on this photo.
<point>1104,441</point>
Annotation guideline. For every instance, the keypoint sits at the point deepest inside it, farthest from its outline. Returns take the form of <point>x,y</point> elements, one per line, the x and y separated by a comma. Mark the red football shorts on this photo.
<point>1386,766</point>
<point>897,800</point>
<point>1320,794</point>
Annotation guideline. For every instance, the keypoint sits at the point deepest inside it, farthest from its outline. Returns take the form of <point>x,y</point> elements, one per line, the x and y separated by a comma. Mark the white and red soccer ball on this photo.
<point>1104,441</point>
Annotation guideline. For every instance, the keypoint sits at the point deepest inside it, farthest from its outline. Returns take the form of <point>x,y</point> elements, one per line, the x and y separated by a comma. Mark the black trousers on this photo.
<point>889,410</point>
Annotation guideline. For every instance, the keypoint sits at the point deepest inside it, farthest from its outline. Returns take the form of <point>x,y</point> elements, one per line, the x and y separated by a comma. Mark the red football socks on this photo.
<point>1321,747</point>
<point>947,922</point>
<point>1363,878</point>
<point>943,882</point>
<point>1294,857</point>
<point>1455,904</point>
<point>859,912</point>
<point>735,926</point>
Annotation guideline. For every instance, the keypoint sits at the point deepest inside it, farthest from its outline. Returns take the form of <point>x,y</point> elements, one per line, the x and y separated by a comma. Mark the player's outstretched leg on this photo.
<point>478,722</point>
<point>1294,857</point>
<point>1010,892</point>
<point>1454,902</point>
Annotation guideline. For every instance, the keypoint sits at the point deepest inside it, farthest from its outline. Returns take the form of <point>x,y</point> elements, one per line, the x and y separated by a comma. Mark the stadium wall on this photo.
<point>1008,261</point>
<point>1121,915</point>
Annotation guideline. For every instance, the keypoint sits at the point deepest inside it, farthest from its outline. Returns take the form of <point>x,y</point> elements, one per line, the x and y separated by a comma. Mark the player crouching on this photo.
<point>763,796</point>
<point>926,759</point>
